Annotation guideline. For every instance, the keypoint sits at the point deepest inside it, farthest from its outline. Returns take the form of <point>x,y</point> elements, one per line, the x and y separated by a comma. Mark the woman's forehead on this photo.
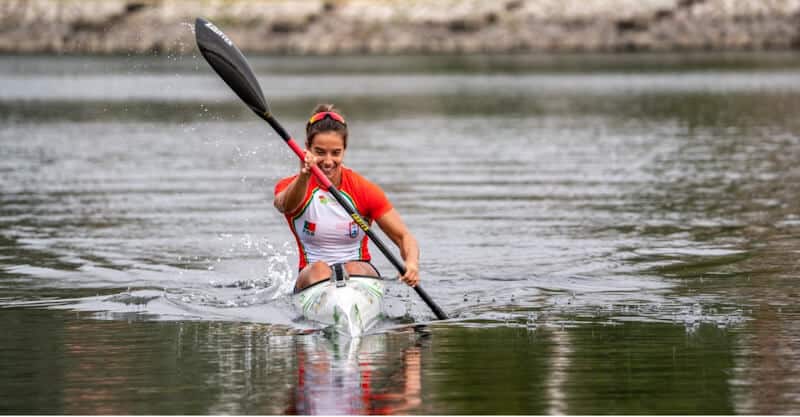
<point>328,140</point>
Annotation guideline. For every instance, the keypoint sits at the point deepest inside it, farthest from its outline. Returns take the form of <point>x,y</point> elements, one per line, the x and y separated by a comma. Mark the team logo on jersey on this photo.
<point>309,228</point>
<point>323,199</point>
<point>353,230</point>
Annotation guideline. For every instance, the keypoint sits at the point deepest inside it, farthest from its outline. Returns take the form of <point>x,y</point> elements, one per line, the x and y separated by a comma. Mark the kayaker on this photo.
<point>326,235</point>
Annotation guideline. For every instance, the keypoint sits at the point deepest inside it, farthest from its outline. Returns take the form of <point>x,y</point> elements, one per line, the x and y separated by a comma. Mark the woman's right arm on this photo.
<point>290,199</point>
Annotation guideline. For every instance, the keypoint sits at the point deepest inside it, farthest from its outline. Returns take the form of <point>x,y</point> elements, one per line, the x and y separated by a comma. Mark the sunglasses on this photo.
<point>326,115</point>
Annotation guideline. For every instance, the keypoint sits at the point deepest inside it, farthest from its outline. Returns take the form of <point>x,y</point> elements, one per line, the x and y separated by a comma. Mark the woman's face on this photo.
<point>328,148</point>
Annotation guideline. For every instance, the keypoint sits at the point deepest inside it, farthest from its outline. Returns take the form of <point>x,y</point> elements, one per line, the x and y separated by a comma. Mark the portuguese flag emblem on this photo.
<point>309,228</point>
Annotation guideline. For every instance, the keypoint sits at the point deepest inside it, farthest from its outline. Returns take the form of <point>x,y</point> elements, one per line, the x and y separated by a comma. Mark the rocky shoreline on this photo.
<point>323,27</point>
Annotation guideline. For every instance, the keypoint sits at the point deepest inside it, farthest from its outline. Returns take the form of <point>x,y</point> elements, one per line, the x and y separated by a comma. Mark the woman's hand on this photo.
<point>305,165</point>
<point>290,199</point>
<point>411,277</point>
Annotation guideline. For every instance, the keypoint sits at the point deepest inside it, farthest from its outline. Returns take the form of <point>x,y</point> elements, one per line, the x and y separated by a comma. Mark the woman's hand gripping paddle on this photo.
<point>226,59</point>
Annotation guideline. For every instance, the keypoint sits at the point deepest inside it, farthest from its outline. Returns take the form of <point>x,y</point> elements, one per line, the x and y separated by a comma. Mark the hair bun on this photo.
<point>324,107</point>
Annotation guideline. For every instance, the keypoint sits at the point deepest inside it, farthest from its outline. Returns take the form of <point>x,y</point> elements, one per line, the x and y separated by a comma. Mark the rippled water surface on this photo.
<point>610,234</point>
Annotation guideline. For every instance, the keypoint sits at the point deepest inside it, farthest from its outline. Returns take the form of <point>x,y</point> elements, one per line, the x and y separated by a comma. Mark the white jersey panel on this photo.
<point>327,232</point>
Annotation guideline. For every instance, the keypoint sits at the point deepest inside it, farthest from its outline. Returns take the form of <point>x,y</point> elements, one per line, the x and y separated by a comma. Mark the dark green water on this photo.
<point>611,235</point>
<point>140,367</point>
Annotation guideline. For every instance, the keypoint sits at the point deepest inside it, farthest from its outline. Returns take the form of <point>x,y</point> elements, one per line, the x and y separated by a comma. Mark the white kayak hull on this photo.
<point>352,309</point>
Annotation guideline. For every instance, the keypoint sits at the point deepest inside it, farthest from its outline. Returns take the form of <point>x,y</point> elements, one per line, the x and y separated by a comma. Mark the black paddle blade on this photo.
<point>228,61</point>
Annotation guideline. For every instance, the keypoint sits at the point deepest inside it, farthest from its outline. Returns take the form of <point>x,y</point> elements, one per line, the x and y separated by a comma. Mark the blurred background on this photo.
<point>401,26</point>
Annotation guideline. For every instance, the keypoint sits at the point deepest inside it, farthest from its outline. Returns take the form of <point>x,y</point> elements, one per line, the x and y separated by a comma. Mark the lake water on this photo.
<point>610,234</point>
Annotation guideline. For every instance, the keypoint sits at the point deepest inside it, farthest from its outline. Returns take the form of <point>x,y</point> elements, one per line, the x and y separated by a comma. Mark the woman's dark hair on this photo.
<point>325,125</point>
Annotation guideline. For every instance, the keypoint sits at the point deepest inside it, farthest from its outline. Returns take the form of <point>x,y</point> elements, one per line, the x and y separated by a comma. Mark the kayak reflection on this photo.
<point>377,374</point>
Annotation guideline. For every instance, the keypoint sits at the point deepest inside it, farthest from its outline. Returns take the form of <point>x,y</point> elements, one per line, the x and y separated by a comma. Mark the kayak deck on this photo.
<point>352,307</point>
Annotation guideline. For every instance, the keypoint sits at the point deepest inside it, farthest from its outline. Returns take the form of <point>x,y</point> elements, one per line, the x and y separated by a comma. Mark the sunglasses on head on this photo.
<point>326,115</point>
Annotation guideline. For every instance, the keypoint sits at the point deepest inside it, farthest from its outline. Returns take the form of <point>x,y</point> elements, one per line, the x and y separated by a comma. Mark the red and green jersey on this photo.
<point>324,230</point>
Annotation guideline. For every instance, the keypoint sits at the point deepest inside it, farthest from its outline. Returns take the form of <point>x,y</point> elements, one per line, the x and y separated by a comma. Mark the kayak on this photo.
<point>352,306</point>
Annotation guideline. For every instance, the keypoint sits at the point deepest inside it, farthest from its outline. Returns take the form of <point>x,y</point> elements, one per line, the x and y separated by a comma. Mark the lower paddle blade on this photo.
<point>228,61</point>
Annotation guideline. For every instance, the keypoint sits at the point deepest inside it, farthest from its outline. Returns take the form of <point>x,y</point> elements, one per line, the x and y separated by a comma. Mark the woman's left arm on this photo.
<point>396,230</point>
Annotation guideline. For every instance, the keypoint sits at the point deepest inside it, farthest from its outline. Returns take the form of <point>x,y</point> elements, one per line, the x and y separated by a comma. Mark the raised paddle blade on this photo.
<point>228,61</point>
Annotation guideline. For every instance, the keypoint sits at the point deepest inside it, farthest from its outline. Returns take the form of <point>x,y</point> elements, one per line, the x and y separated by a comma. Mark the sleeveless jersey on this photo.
<point>324,230</point>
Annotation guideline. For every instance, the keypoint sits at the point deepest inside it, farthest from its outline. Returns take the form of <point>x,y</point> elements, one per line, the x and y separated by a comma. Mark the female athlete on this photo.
<point>326,235</point>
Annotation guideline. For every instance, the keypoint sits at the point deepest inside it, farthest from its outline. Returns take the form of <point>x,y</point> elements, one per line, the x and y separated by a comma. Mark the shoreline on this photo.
<point>400,27</point>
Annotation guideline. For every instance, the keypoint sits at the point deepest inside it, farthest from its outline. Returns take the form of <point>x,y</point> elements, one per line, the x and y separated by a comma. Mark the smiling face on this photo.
<point>328,148</point>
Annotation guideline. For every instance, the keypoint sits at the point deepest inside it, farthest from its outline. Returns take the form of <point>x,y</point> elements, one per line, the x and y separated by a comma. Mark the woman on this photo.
<point>326,235</point>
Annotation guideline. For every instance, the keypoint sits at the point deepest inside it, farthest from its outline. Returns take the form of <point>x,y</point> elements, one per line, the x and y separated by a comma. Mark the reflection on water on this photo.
<point>138,367</point>
<point>118,367</point>
<point>357,376</point>
<point>611,235</point>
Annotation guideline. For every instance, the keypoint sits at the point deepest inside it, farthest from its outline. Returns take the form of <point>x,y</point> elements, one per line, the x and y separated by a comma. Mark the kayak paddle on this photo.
<point>226,59</point>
